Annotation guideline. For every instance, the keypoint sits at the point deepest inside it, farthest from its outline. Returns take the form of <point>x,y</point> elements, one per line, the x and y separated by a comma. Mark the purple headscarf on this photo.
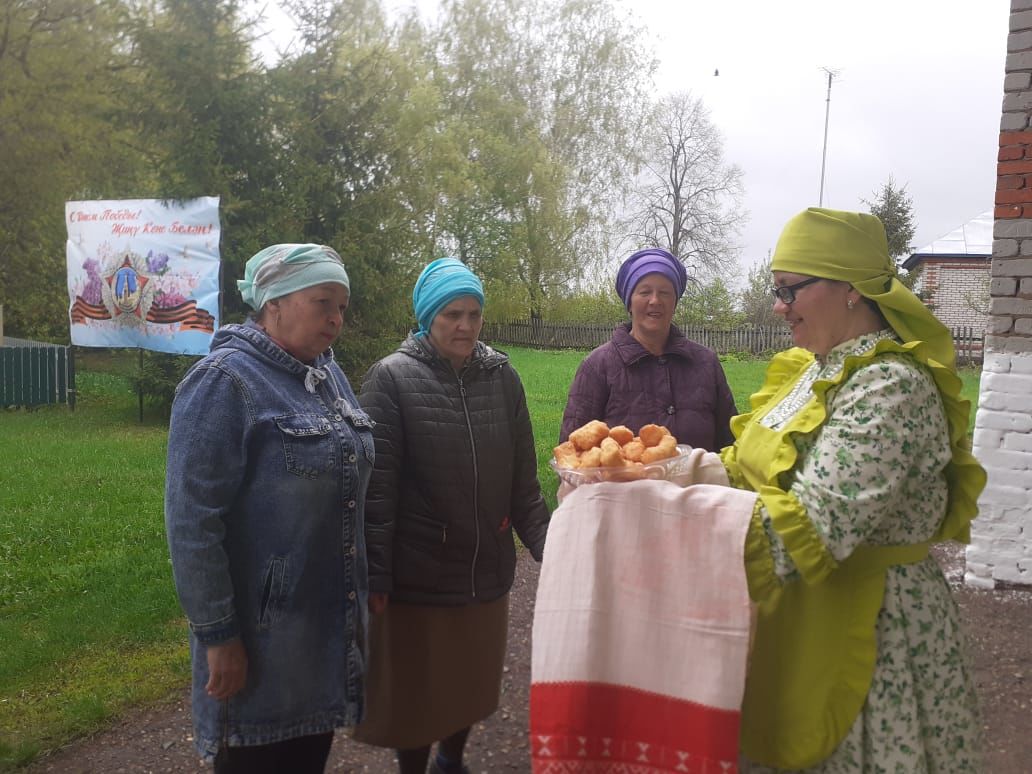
<point>652,260</point>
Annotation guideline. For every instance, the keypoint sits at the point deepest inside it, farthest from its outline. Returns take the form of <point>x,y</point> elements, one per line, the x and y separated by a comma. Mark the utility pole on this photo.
<point>827,112</point>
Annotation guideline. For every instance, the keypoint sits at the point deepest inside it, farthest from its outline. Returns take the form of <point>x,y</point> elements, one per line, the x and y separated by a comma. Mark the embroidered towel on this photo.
<point>641,630</point>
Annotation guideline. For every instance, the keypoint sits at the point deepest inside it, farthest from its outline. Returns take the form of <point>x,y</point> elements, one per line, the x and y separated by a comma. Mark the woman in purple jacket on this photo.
<point>648,372</point>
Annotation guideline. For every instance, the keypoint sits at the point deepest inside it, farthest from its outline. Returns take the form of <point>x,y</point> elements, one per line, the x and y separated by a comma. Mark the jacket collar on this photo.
<point>250,335</point>
<point>419,348</point>
<point>631,351</point>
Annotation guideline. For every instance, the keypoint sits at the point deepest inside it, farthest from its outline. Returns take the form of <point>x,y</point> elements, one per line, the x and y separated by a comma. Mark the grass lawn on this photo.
<point>88,618</point>
<point>89,622</point>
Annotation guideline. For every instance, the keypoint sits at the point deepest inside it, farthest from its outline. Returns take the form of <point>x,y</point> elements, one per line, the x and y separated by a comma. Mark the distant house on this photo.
<point>954,273</point>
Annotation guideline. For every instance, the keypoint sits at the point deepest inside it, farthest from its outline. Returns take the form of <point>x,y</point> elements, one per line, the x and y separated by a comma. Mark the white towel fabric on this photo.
<point>641,629</point>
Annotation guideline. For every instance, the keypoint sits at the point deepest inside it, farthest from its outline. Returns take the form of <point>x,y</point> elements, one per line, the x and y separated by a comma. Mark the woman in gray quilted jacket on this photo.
<point>455,474</point>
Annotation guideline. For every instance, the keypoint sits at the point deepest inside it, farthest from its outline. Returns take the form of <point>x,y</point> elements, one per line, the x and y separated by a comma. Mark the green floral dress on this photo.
<point>872,475</point>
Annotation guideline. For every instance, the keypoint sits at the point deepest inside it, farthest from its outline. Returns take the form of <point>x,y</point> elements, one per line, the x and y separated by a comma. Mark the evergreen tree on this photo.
<point>894,207</point>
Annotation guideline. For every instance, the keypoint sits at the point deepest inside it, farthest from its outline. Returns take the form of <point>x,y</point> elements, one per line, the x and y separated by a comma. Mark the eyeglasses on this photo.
<point>786,293</point>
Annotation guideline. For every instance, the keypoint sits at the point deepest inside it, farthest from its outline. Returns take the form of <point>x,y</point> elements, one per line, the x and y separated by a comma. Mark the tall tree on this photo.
<point>688,198</point>
<point>359,118</point>
<point>756,299</point>
<point>893,206</point>
<point>58,64</point>
<point>198,105</point>
<point>550,96</point>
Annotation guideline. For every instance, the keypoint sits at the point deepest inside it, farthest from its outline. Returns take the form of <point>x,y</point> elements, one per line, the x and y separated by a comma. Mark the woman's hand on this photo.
<point>227,669</point>
<point>377,602</point>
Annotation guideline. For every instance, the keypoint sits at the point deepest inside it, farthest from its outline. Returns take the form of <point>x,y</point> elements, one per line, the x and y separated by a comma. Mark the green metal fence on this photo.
<point>33,373</point>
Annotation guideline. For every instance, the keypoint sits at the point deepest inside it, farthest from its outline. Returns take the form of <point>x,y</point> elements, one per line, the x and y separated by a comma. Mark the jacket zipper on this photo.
<point>476,487</point>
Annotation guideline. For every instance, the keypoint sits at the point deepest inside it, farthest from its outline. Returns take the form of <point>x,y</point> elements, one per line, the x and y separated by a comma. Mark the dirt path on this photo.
<point>999,625</point>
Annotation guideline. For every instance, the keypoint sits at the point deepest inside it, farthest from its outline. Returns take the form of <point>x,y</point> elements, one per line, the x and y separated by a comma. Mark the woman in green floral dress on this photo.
<point>856,445</point>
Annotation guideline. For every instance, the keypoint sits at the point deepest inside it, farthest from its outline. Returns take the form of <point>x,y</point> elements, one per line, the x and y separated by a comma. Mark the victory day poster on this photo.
<point>144,273</point>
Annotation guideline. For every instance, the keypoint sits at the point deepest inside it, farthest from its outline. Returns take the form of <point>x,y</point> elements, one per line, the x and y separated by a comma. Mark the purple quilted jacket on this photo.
<point>685,389</point>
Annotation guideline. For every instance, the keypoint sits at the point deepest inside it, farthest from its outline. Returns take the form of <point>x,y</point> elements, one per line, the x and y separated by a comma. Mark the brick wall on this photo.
<point>956,291</point>
<point>1001,547</point>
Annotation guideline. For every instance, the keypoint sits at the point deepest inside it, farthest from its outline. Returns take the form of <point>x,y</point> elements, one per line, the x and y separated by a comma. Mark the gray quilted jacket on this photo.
<point>455,473</point>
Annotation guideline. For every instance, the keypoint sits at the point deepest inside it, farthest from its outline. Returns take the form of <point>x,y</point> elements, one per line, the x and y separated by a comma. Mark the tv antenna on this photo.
<point>832,73</point>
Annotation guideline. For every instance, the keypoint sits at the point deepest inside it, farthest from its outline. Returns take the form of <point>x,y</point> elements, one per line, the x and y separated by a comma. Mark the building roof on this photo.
<point>972,240</point>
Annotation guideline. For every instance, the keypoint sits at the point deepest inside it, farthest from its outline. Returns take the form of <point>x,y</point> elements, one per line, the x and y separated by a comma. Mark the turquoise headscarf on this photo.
<point>440,283</point>
<point>281,269</point>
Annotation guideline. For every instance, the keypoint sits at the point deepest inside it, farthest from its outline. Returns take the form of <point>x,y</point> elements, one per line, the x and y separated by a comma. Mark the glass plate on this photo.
<point>670,469</point>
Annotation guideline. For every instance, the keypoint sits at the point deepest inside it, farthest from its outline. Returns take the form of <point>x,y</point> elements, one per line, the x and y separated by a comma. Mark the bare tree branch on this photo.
<point>688,199</point>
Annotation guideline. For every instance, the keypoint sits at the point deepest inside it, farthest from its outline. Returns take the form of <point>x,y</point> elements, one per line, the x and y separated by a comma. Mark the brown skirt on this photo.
<point>432,671</point>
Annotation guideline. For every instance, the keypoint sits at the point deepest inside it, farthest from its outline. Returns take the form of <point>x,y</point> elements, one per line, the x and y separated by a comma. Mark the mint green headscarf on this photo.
<point>281,269</point>
<point>851,247</point>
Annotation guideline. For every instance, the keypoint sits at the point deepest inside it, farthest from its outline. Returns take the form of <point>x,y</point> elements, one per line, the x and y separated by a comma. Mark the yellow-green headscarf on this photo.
<point>851,247</point>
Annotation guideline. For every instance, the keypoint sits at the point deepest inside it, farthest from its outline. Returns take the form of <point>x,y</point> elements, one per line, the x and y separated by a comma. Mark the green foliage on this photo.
<point>503,134</point>
<point>712,304</point>
<point>58,64</point>
<point>156,379</point>
<point>545,98</point>
<point>199,108</point>
<point>597,307</point>
<point>894,207</point>
<point>756,300</point>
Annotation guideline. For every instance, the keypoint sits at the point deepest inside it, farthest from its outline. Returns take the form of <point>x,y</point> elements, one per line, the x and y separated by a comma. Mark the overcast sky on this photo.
<point>917,96</point>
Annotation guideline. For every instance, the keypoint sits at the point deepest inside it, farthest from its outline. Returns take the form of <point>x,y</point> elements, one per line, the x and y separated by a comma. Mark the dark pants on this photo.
<point>303,755</point>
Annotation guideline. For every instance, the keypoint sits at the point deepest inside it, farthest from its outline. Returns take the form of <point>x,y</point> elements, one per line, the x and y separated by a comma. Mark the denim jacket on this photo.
<point>268,465</point>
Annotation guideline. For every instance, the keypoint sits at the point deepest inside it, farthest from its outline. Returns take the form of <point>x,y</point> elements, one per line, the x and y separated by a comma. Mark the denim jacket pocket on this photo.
<point>363,425</point>
<point>309,446</point>
<point>272,592</point>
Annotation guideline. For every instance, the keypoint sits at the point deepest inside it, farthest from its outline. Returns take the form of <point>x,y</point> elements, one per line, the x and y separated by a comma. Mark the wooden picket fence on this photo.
<point>34,373</point>
<point>749,339</point>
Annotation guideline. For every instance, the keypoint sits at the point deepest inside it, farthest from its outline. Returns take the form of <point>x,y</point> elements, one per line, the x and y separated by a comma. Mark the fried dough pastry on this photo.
<point>592,458</point>
<point>651,435</point>
<point>565,455</point>
<point>632,451</point>
<point>589,435</point>
<point>618,450</point>
<point>621,434</point>
<point>611,454</point>
<point>667,447</point>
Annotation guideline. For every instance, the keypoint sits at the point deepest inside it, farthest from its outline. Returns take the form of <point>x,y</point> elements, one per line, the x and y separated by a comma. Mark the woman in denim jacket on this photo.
<point>269,457</point>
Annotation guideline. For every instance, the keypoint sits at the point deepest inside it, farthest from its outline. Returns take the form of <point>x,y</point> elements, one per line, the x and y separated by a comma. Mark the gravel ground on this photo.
<point>999,626</point>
